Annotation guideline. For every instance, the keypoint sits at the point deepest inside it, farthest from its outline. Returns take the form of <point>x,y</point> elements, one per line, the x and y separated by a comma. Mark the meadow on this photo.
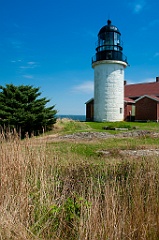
<point>69,190</point>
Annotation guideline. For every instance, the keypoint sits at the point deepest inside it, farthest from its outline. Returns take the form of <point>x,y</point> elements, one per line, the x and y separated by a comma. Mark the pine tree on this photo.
<point>22,108</point>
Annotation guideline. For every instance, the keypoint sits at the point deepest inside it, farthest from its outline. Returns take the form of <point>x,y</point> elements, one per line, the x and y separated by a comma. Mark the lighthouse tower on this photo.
<point>109,64</point>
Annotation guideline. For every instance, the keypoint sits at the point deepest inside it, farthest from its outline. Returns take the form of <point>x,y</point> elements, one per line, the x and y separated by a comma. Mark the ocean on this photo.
<point>81,118</point>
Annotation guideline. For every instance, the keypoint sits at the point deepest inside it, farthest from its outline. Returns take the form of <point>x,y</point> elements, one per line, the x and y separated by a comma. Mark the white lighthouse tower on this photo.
<point>109,64</point>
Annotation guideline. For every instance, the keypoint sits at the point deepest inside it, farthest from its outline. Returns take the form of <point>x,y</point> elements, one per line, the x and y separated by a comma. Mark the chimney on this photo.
<point>157,79</point>
<point>125,82</point>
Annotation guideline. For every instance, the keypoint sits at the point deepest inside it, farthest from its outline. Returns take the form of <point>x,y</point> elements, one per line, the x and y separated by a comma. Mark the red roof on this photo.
<point>140,89</point>
<point>128,100</point>
<point>148,96</point>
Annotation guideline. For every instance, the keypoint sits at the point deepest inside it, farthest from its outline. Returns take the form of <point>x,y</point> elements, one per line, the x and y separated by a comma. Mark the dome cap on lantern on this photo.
<point>109,28</point>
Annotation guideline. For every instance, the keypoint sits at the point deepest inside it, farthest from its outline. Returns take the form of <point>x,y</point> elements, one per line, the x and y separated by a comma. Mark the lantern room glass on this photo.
<point>109,41</point>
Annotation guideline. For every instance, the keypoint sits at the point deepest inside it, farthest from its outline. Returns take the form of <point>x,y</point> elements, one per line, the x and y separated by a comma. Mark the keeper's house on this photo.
<point>141,102</point>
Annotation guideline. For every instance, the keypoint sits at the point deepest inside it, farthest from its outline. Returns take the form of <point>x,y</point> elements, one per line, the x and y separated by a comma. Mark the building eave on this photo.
<point>148,96</point>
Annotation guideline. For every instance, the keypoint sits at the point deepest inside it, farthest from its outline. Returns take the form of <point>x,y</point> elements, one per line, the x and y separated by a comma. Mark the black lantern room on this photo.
<point>109,45</point>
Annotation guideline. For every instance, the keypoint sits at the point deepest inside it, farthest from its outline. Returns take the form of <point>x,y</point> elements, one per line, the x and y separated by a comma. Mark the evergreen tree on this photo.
<point>22,108</point>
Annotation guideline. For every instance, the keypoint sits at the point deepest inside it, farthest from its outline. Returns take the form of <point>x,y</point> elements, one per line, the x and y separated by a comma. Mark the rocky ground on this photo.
<point>92,136</point>
<point>105,135</point>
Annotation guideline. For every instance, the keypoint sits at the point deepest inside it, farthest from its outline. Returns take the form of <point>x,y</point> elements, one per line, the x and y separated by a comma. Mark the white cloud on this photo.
<point>149,80</point>
<point>144,80</point>
<point>137,6</point>
<point>156,54</point>
<point>25,67</point>
<point>31,63</point>
<point>15,61</point>
<point>86,87</point>
<point>28,76</point>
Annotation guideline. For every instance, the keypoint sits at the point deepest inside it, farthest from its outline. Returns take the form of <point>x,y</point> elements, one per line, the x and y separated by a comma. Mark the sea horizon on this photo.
<point>73,117</point>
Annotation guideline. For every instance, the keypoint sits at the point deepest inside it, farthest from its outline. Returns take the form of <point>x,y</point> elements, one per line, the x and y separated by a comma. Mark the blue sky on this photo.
<point>49,44</point>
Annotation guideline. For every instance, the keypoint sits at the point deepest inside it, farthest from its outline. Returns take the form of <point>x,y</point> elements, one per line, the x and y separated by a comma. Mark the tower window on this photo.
<point>121,71</point>
<point>121,110</point>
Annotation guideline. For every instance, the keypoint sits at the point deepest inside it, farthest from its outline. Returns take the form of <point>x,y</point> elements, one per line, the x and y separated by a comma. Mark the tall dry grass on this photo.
<point>47,195</point>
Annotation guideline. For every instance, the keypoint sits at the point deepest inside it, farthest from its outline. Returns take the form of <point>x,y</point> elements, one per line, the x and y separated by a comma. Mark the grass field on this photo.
<point>66,190</point>
<point>67,125</point>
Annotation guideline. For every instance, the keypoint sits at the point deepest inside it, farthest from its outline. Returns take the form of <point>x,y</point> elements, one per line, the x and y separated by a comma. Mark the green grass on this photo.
<point>67,126</point>
<point>100,126</point>
<point>90,149</point>
<point>151,126</point>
